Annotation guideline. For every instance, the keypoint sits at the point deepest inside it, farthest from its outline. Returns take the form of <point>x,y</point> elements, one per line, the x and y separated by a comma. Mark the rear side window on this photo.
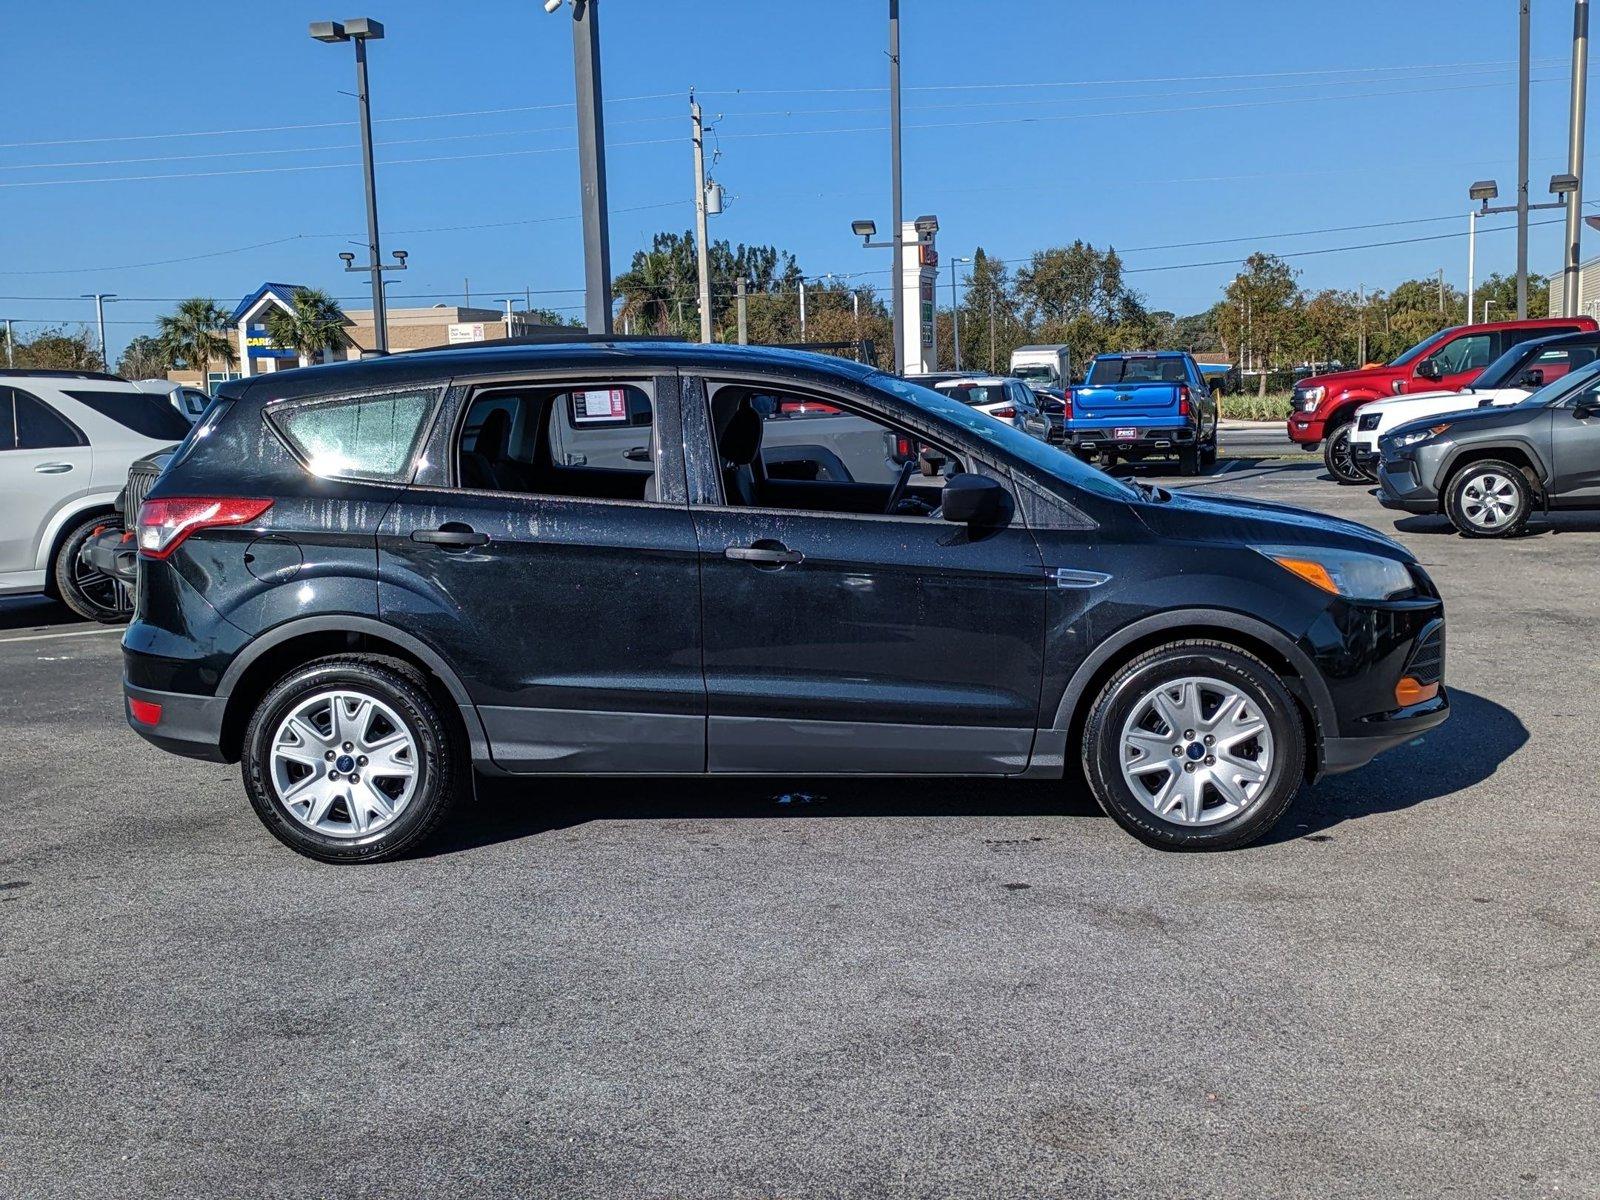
<point>368,436</point>
<point>147,415</point>
<point>31,424</point>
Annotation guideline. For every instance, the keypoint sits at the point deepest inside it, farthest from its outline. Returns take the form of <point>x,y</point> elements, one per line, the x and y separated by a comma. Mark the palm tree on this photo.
<point>313,323</point>
<point>648,289</point>
<point>196,335</point>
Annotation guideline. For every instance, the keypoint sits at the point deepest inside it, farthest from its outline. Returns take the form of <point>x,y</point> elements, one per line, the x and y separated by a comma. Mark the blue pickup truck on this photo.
<point>1146,404</point>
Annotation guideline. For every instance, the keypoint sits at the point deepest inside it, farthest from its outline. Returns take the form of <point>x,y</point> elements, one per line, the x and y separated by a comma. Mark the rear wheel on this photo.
<point>1208,449</point>
<point>86,591</point>
<point>351,759</point>
<point>1337,456</point>
<point>1489,499</point>
<point>1194,746</point>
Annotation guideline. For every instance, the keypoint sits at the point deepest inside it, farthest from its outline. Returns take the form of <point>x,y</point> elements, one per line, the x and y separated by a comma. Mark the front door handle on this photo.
<point>452,533</point>
<point>53,468</point>
<point>765,553</point>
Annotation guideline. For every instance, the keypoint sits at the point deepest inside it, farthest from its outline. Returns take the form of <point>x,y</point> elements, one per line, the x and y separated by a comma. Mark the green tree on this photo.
<point>312,324</point>
<point>145,357</point>
<point>57,348</point>
<point>196,335</point>
<point>1065,282</point>
<point>1261,312</point>
<point>1501,292</point>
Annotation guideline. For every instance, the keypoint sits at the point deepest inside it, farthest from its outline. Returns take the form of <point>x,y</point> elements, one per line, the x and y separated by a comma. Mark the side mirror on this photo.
<point>1429,369</point>
<point>1533,377</point>
<point>1583,409</point>
<point>930,462</point>
<point>971,500</point>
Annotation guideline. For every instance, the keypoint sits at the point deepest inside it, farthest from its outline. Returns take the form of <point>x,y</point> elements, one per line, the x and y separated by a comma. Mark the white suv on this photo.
<point>1509,379</point>
<point>66,441</point>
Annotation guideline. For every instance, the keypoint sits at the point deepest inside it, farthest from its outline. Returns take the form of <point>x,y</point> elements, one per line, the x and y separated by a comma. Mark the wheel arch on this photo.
<point>1271,645</point>
<point>62,524</point>
<point>281,649</point>
<point>1519,452</point>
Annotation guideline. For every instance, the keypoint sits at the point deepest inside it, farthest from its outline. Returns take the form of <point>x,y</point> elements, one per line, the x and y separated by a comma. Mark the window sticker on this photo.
<point>600,406</point>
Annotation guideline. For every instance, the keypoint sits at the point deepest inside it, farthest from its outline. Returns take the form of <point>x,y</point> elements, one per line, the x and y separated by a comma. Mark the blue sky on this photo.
<point>1143,125</point>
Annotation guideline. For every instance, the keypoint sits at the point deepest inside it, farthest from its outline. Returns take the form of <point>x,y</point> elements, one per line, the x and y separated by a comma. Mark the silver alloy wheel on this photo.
<point>343,764</point>
<point>1196,751</point>
<point>1490,500</point>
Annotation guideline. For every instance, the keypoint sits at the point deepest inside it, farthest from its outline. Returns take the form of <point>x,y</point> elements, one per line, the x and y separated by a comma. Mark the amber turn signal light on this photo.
<point>1408,691</point>
<point>1313,573</point>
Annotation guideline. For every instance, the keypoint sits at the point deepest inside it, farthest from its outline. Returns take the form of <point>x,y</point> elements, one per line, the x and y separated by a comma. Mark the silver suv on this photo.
<point>66,441</point>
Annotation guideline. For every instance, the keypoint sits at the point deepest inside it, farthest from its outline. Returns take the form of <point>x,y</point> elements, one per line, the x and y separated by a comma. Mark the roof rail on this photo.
<point>24,373</point>
<point>538,339</point>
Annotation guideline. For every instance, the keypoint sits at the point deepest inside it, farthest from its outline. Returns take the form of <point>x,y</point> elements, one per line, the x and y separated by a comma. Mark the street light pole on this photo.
<point>591,162</point>
<point>1580,99</point>
<point>955,311</point>
<point>99,299</point>
<point>1523,39</point>
<point>1472,259</point>
<point>896,216</point>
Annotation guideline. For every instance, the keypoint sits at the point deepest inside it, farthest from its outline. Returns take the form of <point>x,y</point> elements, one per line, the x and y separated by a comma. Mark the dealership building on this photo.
<point>409,329</point>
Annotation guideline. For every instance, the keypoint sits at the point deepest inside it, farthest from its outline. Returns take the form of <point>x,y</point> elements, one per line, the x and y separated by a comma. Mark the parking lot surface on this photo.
<point>828,988</point>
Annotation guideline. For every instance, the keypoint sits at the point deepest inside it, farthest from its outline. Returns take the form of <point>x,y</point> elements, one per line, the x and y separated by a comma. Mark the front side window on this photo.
<point>37,426</point>
<point>591,440</point>
<point>1470,353</point>
<point>144,413</point>
<point>372,437</point>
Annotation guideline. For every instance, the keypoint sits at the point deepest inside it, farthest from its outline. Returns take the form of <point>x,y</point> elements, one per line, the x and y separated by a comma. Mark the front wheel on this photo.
<point>1339,460</point>
<point>350,759</point>
<point>86,591</point>
<point>1489,499</point>
<point>1194,746</point>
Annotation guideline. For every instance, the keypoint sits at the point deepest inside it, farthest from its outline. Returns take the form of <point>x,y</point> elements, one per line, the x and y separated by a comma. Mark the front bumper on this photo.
<point>1403,486</point>
<point>1340,754</point>
<point>113,552</point>
<point>1366,456</point>
<point>186,725</point>
<point>1306,428</point>
<point>1147,440</point>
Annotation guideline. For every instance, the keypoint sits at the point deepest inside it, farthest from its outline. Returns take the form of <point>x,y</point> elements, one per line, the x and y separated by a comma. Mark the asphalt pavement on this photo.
<point>826,989</point>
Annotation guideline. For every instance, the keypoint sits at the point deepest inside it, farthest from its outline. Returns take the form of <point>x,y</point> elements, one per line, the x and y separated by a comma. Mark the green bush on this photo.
<point>1274,406</point>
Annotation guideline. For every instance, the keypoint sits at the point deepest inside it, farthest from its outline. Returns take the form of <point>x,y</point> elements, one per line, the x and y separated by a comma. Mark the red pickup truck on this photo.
<point>1324,406</point>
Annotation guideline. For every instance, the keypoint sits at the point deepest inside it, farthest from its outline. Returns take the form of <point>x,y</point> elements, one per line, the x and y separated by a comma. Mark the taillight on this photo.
<point>1183,400</point>
<point>164,524</point>
<point>904,448</point>
<point>1003,413</point>
<point>1066,407</point>
<point>146,712</point>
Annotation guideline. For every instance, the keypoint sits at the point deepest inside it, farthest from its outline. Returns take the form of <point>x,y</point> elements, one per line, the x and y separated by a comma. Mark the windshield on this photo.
<point>1048,374</point>
<point>1420,348</point>
<point>974,393</point>
<point>1012,441</point>
<point>1144,369</point>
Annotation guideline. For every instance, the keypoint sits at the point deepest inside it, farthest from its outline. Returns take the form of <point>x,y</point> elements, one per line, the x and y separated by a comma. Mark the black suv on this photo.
<point>1487,469</point>
<point>368,580</point>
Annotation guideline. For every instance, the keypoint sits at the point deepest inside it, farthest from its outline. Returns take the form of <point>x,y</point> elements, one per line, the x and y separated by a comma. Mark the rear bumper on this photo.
<point>185,724</point>
<point>1146,439</point>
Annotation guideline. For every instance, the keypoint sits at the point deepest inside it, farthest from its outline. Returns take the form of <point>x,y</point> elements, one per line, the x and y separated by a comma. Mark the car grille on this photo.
<point>1369,422</point>
<point>141,479</point>
<point>1427,660</point>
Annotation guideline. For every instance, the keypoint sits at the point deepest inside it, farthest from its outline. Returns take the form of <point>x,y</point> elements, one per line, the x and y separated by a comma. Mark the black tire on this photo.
<point>1203,659</point>
<point>1189,460</point>
<point>1337,458</point>
<point>1506,485</point>
<point>1107,461</point>
<point>442,766</point>
<point>91,594</point>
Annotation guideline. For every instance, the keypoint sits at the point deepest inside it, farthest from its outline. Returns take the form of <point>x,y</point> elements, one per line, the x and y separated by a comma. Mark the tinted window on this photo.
<point>1138,370</point>
<point>37,426</point>
<point>975,393</point>
<point>147,415</point>
<point>1470,353</point>
<point>364,435</point>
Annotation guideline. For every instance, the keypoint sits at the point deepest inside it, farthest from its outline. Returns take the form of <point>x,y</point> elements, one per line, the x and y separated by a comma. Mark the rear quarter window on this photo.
<point>373,437</point>
<point>146,414</point>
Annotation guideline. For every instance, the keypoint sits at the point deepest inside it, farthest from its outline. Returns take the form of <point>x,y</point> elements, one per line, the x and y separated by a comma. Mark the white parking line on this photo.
<point>45,637</point>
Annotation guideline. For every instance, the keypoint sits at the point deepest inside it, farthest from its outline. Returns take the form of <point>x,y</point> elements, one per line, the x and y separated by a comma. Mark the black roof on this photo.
<point>24,373</point>
<point>509,358</point>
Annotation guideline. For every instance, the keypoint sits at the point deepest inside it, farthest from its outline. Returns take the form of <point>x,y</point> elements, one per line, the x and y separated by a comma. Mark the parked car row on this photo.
<point>1486,442</point>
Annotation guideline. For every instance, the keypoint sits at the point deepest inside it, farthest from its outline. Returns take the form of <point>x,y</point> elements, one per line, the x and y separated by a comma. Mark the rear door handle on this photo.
<point>53,468</point>
<point>773,553</point>
<point>450,535</point>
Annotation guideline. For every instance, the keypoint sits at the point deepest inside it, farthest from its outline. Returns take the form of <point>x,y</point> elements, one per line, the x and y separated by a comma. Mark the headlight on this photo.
<point>1401,441</point>
<point>1312,396</point>
<point>1347,573</point>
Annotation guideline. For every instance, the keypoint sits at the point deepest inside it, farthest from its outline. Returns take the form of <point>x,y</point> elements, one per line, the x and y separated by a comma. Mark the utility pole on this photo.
<point>702,247</point>
<point>855,311</point>
<point>11,354</point>
<point>1580,100</point>
<point>740,300</point>
<point>955,314</point>
<point>991,329</point>
<point>1441,291</point>
<point>896,218</point>
<point>509,333</point>
<point>1361,348</point>
<point>802,308</point>
<point>99,299</point>
<point>592,165</point>
<point>1524,36</point>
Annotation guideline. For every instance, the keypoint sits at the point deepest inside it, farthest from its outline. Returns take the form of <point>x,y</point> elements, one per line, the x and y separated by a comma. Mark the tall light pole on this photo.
<point>955,311</point>
<point>896,214</point>
<point>591,161</point>
<point>1562,187</point>
<point>1523,37</point>
<point>99,299</point>
<point>1472,259</point>
<point>1580,100</point>
<point>361,30</point>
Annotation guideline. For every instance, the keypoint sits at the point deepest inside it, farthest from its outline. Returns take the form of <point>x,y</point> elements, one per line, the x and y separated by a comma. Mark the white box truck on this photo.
<point>1043,366</point>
